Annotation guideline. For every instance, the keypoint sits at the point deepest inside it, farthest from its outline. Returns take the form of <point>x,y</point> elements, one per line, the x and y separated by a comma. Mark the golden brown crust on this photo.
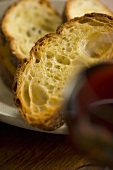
<point>4,20</point>
<point>74,9</point>
<point>13,39</point>
<point>50,121</point>
<point>18,50</point>
<point>40,82</point>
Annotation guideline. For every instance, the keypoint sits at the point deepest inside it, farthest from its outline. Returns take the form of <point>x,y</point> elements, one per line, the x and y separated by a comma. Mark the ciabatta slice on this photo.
<point>40,82</point>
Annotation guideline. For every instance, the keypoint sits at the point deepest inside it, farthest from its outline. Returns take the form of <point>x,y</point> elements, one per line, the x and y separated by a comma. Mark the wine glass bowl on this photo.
<point>89,112</point>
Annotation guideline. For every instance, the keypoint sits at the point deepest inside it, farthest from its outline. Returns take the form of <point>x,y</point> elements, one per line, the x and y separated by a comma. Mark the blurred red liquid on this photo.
<point>90,112</point>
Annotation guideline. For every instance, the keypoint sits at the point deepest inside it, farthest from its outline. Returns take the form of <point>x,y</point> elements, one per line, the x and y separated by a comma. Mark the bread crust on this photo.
<point>40,82</point>
<point>4,20</point>
<point>72,5</point>
<point>19,43</point>
<point>10,37</point>
<point>50,120</point>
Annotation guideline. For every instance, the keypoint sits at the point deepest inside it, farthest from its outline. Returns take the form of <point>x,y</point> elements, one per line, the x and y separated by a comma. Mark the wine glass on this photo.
<point>89,114</point>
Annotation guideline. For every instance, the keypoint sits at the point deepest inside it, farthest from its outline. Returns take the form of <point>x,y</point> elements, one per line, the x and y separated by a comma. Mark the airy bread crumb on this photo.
<point>40,82</point>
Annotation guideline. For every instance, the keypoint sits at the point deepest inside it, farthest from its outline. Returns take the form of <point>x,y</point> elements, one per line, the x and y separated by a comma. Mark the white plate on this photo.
<point>8,112</point>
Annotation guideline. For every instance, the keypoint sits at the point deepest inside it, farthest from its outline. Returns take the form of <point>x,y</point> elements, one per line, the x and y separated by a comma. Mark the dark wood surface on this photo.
<point>22,149</point>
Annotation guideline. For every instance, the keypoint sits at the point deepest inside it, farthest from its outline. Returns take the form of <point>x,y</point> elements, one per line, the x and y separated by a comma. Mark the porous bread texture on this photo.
<point>40,82</point>
<point>77,8</point>
<point>25,22</point>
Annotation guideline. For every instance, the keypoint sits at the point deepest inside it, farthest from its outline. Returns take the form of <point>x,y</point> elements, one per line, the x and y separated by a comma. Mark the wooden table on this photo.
<point>22,149</point>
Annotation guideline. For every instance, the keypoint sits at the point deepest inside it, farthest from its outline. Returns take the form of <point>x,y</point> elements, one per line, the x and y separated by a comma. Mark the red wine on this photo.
<point>97,95</point>
<point>90,112</point>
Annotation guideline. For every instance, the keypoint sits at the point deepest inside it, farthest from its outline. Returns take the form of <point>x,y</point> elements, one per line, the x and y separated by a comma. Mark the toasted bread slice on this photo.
<point>40,82</point>
<point>23,23</point>
<point>77,8</point>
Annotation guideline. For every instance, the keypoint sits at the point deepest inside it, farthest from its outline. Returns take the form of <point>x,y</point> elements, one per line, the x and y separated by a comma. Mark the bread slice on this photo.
<point>23,23</point>
<point>40,82</point>
<point>76,8</point>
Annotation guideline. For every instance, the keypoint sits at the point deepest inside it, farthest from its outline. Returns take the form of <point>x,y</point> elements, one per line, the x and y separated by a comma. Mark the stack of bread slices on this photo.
<point>46,63</point>
<point>23,23</point>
